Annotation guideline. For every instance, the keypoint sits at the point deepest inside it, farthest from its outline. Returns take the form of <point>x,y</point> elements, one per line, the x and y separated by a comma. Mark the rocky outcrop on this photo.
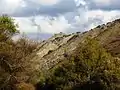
<point>51,52</point>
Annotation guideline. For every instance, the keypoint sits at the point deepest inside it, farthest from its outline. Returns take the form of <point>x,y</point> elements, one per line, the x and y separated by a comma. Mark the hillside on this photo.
<point>52,51</point>
<point>79,61</point>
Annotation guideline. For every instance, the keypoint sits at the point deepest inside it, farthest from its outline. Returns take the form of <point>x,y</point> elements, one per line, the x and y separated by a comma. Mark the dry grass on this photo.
<point>13,60</point>
<point>24,86</point>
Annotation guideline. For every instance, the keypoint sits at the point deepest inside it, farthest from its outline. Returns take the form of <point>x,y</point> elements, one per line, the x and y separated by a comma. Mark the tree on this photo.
<point>13,61</point>
<point>7,27</point>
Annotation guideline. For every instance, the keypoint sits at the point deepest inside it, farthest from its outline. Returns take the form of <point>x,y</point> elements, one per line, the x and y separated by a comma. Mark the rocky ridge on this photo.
<point>52,51</point>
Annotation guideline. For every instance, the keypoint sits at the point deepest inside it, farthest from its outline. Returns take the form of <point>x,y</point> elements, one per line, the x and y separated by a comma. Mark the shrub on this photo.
<point>7,27</point>
<point>13,62</point>
<point>90,68</point>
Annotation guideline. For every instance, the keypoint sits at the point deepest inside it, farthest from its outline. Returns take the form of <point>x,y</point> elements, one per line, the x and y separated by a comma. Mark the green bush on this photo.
<point>7,27</point>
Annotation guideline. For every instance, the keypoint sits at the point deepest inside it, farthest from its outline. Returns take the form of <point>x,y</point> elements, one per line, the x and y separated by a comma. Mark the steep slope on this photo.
<point>109,37</point>
<point>54,50</point>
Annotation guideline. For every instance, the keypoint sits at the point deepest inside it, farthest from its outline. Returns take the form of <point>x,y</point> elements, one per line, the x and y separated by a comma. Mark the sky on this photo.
<point>53,16</point>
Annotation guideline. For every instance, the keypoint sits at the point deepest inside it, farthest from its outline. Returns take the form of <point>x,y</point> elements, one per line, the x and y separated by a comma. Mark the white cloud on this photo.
<point>79,19</point>
<point>58,24</point>
<point>80,2</point>
<point>85,21</point>
<point>103,16</point>
<point>10,6</point>
<point>92,18</point>
<point>25,25</point>
<point>46,2</point>
<point>102,1</point>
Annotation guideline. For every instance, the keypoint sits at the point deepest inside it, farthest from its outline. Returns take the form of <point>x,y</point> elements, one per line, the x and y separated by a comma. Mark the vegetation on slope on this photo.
<point>90,68</point>
<point>12,54</point>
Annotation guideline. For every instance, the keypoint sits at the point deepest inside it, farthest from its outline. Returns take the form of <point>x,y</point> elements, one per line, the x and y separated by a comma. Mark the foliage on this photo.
<point>7,27</point>
<point>12,54</point>
<point>13,63</point>
<point>90,68</point>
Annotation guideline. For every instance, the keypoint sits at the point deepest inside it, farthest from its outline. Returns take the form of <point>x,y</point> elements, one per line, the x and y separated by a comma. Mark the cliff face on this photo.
<point>52,51</point>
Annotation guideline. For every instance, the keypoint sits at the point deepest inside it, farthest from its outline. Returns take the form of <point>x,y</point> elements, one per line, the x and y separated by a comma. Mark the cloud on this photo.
<point>58,24</point>
<point>44,9</point>
<point>25,25</point>
<point>67,23</point>
<point>44,24</point>
<point>80,2</point>
<point>90,19</point>
<point>25,8</point>
<point>45,2</point>
<point>10,6</point>
<point>54,16</point>
<point>104,4</point>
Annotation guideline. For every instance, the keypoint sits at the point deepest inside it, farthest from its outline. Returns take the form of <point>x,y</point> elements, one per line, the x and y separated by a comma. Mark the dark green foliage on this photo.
<point>90,68</point>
